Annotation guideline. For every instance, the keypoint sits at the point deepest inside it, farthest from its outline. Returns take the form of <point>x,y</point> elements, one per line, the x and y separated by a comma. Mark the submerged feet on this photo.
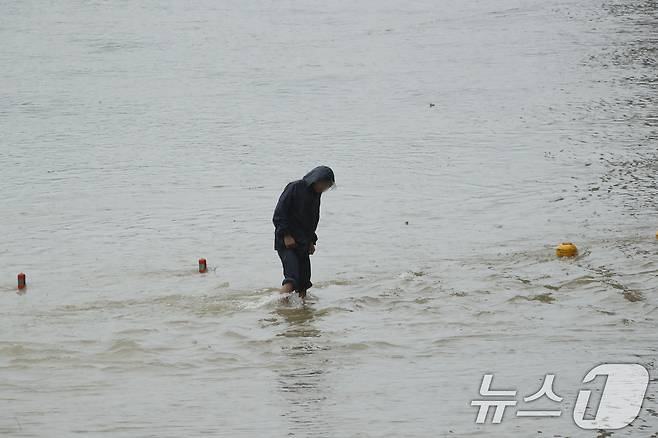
<point>289,288</point>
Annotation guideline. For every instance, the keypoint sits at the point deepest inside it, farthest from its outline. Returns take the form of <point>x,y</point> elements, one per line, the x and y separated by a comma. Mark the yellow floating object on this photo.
<point>566,249</point>
<point>656,234</point>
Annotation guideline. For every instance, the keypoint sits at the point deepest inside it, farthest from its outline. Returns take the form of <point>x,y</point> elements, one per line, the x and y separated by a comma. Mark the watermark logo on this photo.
<point>620,403</point>
<point>622,396</point>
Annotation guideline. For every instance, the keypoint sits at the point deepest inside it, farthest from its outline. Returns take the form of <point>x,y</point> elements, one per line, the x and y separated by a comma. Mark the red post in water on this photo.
<point>202,265</point>
<point>21,281</point>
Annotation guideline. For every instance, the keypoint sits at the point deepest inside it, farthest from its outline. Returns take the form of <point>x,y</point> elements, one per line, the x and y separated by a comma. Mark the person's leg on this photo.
<point>304,273</point>
<point>291,275</point>
<point>287,288</point>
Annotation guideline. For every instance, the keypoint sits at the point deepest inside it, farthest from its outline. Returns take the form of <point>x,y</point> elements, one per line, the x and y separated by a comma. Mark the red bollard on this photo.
<point>202,265</point>
<point>21,281</point>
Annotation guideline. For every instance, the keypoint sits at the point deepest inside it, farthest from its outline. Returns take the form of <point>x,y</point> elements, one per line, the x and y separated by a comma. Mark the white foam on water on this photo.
<point>269,301</point>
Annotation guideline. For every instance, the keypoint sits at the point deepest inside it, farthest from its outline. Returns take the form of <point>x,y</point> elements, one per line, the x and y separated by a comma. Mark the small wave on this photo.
<point>410,275</point>
<point>335,282</point>
<point>271,300</point>
<point>546,298</point>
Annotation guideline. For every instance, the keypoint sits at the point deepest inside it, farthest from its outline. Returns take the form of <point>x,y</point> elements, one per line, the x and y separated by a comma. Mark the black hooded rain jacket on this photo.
<point>298,211</point>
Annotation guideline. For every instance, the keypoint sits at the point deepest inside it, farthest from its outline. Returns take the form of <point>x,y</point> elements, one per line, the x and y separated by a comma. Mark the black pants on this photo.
<point>296,268</point>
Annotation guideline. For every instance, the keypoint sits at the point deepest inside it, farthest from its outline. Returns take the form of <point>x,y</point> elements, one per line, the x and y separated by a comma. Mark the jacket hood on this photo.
<point>320,173</point>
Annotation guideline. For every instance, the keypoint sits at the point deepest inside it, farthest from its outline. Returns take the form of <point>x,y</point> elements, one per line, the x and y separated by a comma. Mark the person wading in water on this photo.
<point>295,220</point>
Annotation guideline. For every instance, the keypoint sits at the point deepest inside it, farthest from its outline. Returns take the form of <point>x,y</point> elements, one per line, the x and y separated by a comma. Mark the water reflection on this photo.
<point>302,376</point>
<point>299,320</point>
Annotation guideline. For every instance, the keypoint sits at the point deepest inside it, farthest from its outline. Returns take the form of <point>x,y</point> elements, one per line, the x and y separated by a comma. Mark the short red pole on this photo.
<point>202,265</point>
<point>21,281</point>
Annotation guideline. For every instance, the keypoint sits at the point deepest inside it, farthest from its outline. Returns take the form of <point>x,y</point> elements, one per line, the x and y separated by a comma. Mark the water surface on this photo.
<point>140,136</point>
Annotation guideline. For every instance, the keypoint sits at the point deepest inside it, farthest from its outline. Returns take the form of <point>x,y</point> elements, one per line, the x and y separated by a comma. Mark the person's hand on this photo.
<point>289,241</point>
<point>311,248</point>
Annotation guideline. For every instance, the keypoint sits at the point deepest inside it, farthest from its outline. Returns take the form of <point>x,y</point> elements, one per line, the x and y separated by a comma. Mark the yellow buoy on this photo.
<point>566,249</point>
<point>656,234</point>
